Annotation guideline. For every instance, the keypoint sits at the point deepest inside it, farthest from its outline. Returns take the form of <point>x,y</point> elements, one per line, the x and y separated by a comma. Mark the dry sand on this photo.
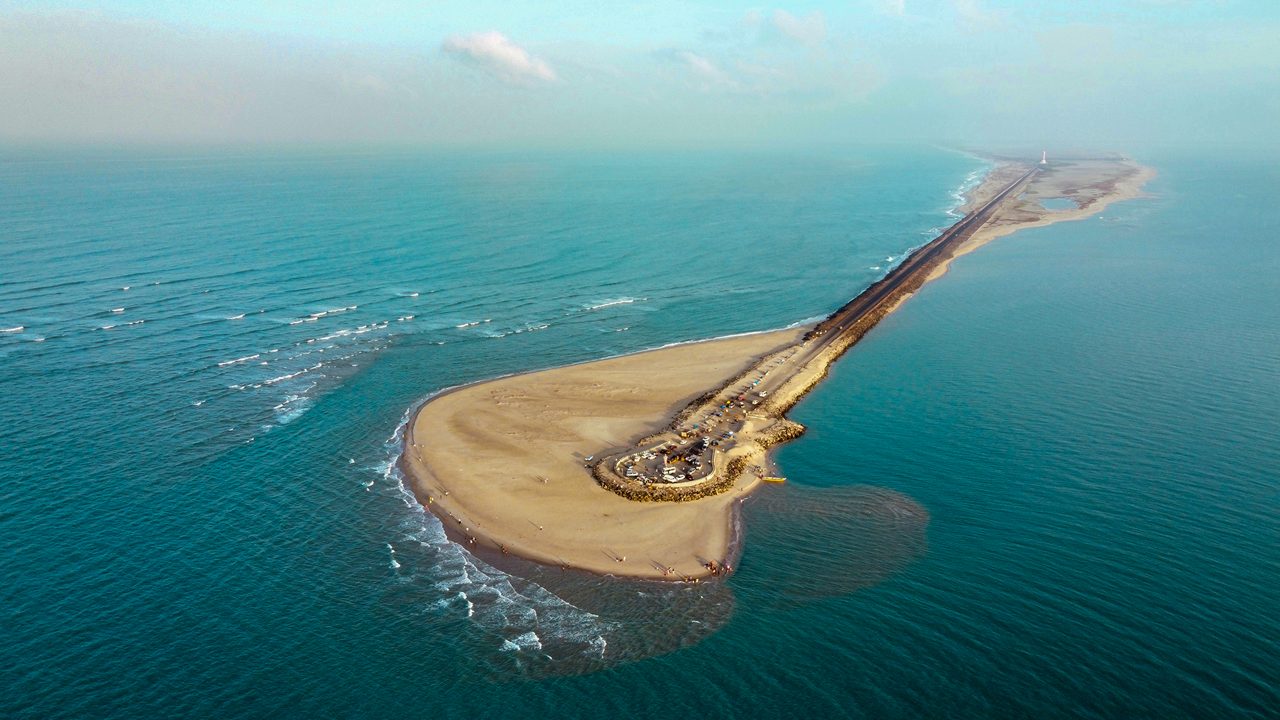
<point>1092,184</point>
<point>502,462</point>
<point>510,454</point>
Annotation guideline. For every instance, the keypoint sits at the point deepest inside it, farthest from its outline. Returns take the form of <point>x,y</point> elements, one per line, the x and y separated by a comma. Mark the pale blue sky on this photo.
<point>414,22</point>
<point>571,73</point>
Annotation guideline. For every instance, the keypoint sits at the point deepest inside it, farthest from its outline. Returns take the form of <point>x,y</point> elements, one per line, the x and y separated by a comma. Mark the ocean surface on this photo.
<point>1048,486</point>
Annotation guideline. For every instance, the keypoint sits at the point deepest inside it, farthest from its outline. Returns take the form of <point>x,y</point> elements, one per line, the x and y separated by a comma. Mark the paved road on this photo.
<point>916,263</point>
<point>915,266</point>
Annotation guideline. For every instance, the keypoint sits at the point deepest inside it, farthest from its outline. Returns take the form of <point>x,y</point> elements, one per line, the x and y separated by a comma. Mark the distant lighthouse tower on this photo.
<point>1044,157</point>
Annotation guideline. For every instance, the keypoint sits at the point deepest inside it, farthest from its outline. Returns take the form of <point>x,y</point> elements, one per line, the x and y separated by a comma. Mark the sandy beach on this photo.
<point>520,465</point>
<point>503,462</point>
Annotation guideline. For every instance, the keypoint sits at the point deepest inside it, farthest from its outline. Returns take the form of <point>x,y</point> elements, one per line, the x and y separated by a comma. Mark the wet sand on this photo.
<point>504,463</point>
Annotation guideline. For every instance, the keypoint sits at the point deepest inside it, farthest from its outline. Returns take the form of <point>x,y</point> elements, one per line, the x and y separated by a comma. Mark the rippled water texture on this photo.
<point>1046,487</point>
<point>815,543</point>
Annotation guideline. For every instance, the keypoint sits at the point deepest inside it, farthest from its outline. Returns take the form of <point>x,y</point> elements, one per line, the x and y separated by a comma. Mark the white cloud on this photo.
<point>897,8</point>
<point>809,30</point>
<point>497,54</point>
<point>705,70</point>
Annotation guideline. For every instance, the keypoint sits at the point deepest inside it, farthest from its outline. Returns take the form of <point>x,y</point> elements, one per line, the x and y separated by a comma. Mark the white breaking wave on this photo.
<point>522,616</point>
<point>960,195</point>
<point>802,323</point>
<point>246,358</point>
<point>610,303</point>
<point>293,407</point>
<point>14,329</point>
<point>289,384</point>
<point>289,376</point>
<point>524,641</point>
<point>331,311</point>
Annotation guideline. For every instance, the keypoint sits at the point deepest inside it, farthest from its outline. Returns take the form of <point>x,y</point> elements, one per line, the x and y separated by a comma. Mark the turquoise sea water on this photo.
<point>1048,487</point>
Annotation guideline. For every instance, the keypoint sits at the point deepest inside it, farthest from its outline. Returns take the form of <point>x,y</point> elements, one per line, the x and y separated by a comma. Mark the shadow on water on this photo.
<point>806,544</point>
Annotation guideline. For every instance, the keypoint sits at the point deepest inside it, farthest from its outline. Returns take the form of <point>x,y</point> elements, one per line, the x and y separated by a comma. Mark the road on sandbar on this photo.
<point>727,421</point>
<point>919,261</point>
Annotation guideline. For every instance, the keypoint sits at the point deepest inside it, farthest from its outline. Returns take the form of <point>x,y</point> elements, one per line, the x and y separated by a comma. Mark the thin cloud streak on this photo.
<point>705,70</point>
<point>499,55</point>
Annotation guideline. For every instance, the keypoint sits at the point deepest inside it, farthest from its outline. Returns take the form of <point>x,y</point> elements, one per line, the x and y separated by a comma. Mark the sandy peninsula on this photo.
<point>635,466</point>
<point>503,462</point>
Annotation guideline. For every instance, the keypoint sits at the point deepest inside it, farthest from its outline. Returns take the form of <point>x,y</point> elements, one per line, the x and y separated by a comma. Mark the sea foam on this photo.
<point>611,303</point>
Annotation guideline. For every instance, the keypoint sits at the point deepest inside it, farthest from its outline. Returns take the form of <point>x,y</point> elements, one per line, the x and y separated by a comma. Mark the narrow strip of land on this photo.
<point>545,465</point>
<point>725,433</point>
